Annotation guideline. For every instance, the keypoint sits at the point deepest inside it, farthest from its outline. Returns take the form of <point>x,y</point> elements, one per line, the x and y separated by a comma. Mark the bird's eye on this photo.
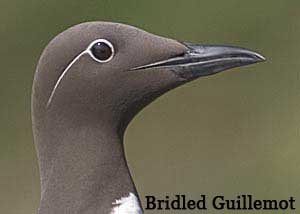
<point>101,50</point>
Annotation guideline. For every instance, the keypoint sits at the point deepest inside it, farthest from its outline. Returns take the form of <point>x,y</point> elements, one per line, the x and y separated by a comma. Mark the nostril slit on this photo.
<point>177,55</point>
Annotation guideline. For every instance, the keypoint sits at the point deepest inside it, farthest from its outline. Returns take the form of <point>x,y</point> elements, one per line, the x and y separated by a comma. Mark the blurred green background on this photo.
<point>233,133</point>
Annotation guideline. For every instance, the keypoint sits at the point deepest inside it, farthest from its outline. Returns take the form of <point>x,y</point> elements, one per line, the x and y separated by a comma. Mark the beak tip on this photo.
<point>259,57</point>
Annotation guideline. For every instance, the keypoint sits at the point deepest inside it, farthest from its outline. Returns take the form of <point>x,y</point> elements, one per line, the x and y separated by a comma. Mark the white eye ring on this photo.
<point>108,43</point>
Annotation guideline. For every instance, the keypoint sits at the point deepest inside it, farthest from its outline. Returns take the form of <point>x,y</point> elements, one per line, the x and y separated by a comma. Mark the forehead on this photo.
<point>125,39</point>
<point>80,36</point>
<point>70,43</point>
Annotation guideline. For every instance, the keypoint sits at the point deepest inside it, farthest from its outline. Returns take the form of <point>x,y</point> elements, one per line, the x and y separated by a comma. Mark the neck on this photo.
<point>83,166</point>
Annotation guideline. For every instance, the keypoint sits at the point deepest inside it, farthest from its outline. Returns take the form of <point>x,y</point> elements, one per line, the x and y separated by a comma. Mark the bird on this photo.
<point>90,81</point>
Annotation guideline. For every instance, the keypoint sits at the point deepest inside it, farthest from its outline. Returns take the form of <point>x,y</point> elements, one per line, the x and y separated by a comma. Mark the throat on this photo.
<point>83,170</point>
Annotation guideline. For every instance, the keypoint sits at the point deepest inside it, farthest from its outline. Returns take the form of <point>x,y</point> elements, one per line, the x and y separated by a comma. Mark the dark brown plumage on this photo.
<point>81,106</point>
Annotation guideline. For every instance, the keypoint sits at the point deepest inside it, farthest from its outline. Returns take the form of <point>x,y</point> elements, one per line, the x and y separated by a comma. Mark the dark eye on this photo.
<point>101,50</point>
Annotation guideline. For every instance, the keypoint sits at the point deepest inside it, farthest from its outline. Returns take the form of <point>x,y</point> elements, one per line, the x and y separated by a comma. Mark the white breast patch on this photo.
<point>127,205</point>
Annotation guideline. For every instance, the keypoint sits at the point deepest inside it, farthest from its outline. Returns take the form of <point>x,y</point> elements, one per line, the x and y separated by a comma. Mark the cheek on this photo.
<point>141,87</point>
<point>156,81</point>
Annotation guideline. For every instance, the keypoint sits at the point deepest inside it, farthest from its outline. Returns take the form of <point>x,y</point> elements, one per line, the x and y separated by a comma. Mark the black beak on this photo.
<point>203,60</point>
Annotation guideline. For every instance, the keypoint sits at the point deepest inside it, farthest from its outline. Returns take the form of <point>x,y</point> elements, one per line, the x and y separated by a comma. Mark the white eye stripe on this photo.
<point>86,51</point>
<point>62,75</point>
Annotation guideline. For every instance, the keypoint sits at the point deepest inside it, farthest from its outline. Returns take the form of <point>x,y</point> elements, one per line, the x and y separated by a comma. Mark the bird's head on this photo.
<point>114,70</point>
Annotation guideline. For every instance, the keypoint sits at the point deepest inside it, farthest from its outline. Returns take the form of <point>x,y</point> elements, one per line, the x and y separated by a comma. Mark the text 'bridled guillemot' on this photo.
<point>218,202</point>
